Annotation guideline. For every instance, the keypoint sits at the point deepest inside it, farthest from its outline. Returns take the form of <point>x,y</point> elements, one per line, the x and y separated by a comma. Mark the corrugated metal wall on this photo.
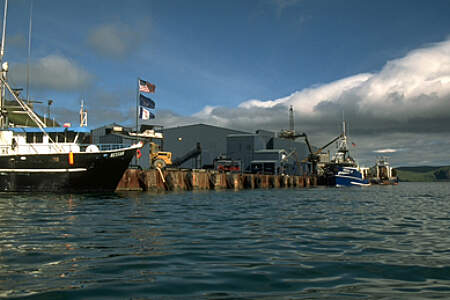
<point>212,139</point>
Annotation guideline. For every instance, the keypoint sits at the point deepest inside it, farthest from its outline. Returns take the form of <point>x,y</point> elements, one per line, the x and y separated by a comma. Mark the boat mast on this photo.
<point>2,50</point>
<point>29,52</point>
<point>4,85</point>
<point>4,68</point>
<point>344,146</point>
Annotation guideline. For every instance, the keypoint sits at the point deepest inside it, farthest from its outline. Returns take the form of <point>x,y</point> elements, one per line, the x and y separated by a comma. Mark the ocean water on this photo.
<point>381,242</point>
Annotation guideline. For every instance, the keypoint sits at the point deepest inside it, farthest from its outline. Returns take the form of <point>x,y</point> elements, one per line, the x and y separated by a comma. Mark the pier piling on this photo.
<point>186,180</point>
<point>130,181</point>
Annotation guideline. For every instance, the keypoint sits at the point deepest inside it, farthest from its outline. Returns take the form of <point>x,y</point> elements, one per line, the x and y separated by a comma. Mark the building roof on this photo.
<point>270,151</point>
<point>203,125</point>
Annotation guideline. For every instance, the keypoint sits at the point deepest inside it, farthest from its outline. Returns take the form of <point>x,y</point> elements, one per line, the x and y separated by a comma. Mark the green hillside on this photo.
<point>423,174</point>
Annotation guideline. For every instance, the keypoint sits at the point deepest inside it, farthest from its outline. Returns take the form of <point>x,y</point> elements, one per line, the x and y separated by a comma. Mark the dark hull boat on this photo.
<point>89,172</point>
<point>57,159</point>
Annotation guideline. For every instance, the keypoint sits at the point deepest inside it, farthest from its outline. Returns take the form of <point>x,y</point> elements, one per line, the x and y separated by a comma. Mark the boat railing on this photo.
<point>37,148</point>
<point>103,147</point>
<point>107,147</point>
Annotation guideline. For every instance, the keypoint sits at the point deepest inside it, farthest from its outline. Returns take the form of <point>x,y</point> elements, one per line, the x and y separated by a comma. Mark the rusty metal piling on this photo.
<point>186,180</point>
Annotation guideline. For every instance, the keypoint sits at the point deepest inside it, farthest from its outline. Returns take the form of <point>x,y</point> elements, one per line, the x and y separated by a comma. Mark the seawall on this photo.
<point>187,180</point>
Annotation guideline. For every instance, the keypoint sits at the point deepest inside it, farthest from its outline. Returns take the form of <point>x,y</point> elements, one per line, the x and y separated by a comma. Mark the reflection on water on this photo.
<point>377,242</point>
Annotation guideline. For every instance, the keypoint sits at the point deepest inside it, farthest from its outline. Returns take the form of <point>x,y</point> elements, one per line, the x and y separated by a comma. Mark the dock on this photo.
<point>156,180</point>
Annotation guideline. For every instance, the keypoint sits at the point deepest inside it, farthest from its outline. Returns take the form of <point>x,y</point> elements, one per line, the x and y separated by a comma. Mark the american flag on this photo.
<point>146,87</point>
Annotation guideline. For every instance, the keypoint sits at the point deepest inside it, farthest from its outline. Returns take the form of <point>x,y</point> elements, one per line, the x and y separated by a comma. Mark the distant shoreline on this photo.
<point>423,174</point>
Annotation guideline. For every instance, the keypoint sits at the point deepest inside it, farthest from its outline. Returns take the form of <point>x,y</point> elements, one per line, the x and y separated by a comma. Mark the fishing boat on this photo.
<point>55,159</point>
<point>382,172</point>
<point>347,176</point>
<point>343,170</point>
<point>52,159</point>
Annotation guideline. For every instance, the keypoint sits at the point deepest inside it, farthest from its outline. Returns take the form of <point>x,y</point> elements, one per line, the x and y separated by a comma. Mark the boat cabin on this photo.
<point>32,140</point>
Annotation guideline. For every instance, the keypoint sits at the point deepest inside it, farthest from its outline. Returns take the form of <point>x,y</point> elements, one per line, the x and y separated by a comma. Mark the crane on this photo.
<point>313,156</point>
<point>292,135</point>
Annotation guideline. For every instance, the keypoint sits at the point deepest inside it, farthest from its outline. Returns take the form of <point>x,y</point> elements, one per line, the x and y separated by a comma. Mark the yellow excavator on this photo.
<point>159,159</point>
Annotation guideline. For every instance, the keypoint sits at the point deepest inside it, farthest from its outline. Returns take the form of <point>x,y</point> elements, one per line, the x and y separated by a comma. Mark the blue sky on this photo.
<point>240,64</point>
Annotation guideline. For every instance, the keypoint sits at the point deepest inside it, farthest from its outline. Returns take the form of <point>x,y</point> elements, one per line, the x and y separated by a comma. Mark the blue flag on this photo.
<point>146,102</point>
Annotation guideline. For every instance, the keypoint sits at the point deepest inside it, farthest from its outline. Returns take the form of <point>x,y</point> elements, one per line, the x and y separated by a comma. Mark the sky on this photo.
<point>383,66</point>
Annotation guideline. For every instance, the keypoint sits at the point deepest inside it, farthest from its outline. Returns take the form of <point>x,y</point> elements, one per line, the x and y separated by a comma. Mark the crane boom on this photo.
<point>322,148</point>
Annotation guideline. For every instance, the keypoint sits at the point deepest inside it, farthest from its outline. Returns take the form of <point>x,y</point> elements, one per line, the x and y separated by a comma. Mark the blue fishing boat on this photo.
<point>343,170</point>
<point>349,176</point>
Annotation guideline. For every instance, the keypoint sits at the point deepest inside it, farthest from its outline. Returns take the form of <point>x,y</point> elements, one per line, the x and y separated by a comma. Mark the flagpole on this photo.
<point>137,113</point>
<point>137,106</point>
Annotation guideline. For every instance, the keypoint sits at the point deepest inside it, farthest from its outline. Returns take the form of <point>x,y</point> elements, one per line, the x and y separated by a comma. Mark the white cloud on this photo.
<point>407,87</point>
<point>306,100</point>
<point>114,40</point>
<point>205,112</point>
<point>416,84</point>
<point>385,151</point>
<point>406,90</point>
<point>53,72</point>
<point>409,96</point>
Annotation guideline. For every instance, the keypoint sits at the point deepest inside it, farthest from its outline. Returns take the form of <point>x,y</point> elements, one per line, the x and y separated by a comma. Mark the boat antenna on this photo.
<point>83,115</point>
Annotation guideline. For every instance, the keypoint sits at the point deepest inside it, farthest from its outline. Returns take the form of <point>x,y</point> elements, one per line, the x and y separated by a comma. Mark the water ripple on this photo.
<point>375,243</point>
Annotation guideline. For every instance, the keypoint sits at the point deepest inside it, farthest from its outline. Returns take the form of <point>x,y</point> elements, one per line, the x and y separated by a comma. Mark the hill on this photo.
<point>423,174</point>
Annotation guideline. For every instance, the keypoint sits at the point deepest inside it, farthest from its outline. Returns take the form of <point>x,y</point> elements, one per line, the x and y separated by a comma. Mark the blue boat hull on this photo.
<point>350,181</point>
<point>347,176</point>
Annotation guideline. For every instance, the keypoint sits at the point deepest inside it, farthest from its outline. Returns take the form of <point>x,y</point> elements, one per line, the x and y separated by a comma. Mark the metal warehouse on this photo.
<point>212,139</point>
<point>260,147</point>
